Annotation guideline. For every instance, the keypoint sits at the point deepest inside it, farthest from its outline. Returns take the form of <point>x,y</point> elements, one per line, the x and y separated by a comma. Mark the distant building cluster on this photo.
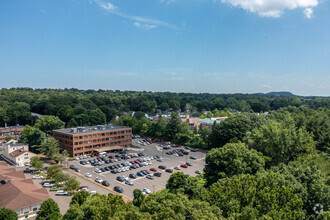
<point>16,153</point>
<point>11,131</point>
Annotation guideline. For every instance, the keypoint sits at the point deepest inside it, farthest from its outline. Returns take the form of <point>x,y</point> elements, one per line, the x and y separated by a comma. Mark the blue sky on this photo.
<point>215,46</point>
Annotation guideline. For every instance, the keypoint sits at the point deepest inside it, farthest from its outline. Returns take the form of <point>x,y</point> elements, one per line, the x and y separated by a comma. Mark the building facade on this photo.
<point>12,131</point>
<point>18,153</point>
<point>87,140</point>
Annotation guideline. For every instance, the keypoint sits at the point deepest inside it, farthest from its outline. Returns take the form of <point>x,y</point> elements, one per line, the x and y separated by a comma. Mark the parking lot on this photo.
<point>156,184</point>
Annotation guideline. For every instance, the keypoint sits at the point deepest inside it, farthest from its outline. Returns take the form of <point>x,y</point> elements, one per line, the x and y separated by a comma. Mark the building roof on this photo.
<point>18,152</point>
<point>14,144</point>
<point>13,127</point>
<point>207,121</point>
<point>19,192</point>
<point>90,129</point>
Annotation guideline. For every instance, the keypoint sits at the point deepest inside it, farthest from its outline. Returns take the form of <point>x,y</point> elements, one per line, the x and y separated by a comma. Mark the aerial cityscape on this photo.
<point>164,109</point>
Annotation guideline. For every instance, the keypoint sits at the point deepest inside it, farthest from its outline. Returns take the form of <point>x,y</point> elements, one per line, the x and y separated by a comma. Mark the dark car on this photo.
<point>120,178</point>
<point>162,167</point>
<point>140,174</point>
<point>180,154</point>
<point>193,157</point>
<point>189,164</point>
<point>115,171</point>
<point>107,168</point>
<point>144,172</point>
<point>187,148</point>
<point>185,152</point>
<point>132,175</point>
<point>77,170</point>
<point>28,171</point>
<point>118,189</point>
<point>169,152</point>
<point>72,167</point>
<point>169,170</point>
<point>158,174</point>
<point>83,162</point>
<point>105,183</point>
<point>193,150</point>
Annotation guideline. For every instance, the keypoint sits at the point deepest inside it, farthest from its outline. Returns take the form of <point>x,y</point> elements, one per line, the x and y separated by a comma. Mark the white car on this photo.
<point>92,192</point>
<point>97,170</point>
<point>88,175</point>
<point>98,180</point>
<point>27,164</point>
<point>37,177</point>
<point>146,191</point>
<point>129,182</point>
<point>177,168</point>
<point>48,185</point>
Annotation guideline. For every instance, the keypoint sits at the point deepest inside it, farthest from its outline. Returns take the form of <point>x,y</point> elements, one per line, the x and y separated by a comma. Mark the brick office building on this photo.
<point>11,131</point>
<point>87,140</point>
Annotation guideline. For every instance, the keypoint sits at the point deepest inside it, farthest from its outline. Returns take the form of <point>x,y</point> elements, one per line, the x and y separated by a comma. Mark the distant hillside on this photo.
<point>283,93</point>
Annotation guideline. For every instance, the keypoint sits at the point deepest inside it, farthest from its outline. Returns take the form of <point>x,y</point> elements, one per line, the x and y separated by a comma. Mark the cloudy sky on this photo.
<point>215,46</point>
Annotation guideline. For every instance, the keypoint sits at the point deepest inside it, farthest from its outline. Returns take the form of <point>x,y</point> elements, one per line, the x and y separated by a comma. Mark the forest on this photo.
<point>259,166</point>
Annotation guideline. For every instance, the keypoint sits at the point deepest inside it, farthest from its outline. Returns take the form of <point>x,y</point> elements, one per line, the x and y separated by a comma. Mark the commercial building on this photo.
<point>11,131</point>
<point>87,140</point>
<point>18,193</point>
<point>17,153</point>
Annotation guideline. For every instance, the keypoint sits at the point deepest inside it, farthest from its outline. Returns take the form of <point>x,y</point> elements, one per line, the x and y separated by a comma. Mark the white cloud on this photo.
<point>167,1</point>
<point>266,86</point>
<point>147,22</point>
<point>273,8</point>
<point>144,26</point>
<point>308,13</point>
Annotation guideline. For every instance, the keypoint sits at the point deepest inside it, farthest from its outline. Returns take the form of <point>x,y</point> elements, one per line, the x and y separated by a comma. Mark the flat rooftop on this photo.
<point>12,127</point>
<point>91,129</point>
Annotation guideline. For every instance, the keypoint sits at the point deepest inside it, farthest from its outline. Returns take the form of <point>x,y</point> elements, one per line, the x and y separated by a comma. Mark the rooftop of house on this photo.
<point>16,191</point>
<point>18,152</point>
<point>90,129</point>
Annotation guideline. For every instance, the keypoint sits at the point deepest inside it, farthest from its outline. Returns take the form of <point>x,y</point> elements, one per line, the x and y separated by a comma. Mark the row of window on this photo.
<point>103,145</point>
<point>100,140</point>
<point>10,133</point>
<point>102,134</point>
<point>28,210</point>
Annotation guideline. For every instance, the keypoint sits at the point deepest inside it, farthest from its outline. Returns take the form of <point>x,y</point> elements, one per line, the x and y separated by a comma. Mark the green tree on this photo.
<point>48,123</point>
<point>177,182</point>
<point>204,134</point>
<point>53,170</point>
<point>80,197</point>
<point>97,117</point>
<point>72,184</point>
<point>74,213</point>
<point>48,208</point>
<point>33,137</point>
<point>250,196</point>
<point>110,113</point>
<point>36,162</point>
<point>61,178</point>
<point>234,127</point>
<point>138,197</point>
<point>60,157</point>
<point>232,159</point>
<point>7,214</point>
<point>173,127</point>
<point>281,141</point>
<point>142,126</point>
<point>8,138</point>
<point>164,106</point>
<point>50,148</point>
<point>157,129</point>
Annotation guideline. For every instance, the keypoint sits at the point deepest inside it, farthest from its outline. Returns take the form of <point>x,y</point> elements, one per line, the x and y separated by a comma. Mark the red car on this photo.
<point>153,169</point>
<point>99,157</point>
<point>184,165</point>
<point>136,161</point>
<point>92,155</point>
<point>82,187</point>
<point>132,162</point>
<point>111,156</point>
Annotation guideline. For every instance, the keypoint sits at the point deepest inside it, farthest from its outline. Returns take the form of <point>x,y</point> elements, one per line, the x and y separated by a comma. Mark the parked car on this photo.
<point>48,185</point>
<point>28,171</point>
<point>153,169</point>
<point>54,188</point>
<point>129,182</point>
<point>193,157</point>
<point>132,175</point>
<point>27,164</point>
<point>98,180</point>
<point>146,191</point>
<point>83,188</point>
<point>198,172</point>
<point>150,176</point>
<point>88,175</point>
<point>193,150</point>
<point>62,193</point>
<point>120,178</point>
<point>163,167</point>
<point>158,174</point>
<point>184,165</point>
<point>105,183</point>
<point>177,168</point>
<point>189,164</point>
<point>118,189</point>
<point>169,170</point>
<point>38,177</point>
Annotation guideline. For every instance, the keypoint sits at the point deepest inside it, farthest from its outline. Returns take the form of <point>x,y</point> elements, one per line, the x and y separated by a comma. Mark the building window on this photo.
<point>18,212</point>
<point>26,210</point>
<point>35,208</point>
<point>26,156</point>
